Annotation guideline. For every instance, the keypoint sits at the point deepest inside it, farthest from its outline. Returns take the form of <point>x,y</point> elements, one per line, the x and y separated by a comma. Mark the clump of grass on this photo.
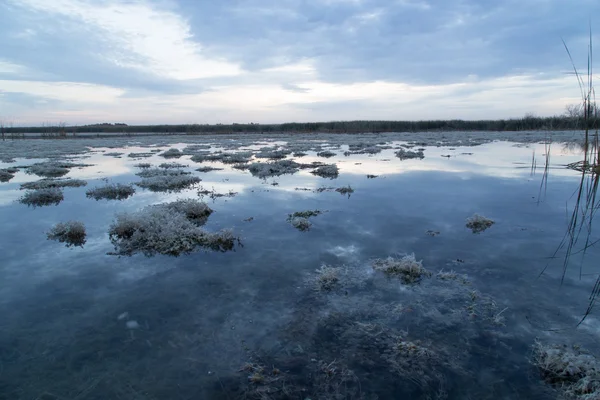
<point>409,154</point>
<point>330,171</point>
<point>345,190</point>
<point>299,154</point>
<point>72,233</point>
<point>116,191</point>
<point>172,165</point>
<point>372,176</point>
<point>52,169</point>
<point>302,224</point>
<point>169,228</point>
<point>478,223</point>
<point>168,183</point>
<point>305,214</point>
<point>42,197</point>
<point>236,158</point>
<point>152,172</point>
<point>53,183</point>
<point>299,219</point>
<point>273,154</point>
<point>276,168</point>
<point>407,268</point>
<point>328,278</point>
<point>143,165</point>
<point>172,153</point>
<point>452,276</point>
<point>213,194</point>
<point>326,154</point>
<point>140,155</point>
<point>113,154</point>
<point>208,169</point>
<point>575,373</point>
<point>6,174</point>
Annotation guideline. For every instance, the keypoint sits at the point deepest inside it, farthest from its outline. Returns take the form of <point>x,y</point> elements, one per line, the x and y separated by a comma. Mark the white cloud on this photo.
<point>63,91</point>
<point>143,37</point>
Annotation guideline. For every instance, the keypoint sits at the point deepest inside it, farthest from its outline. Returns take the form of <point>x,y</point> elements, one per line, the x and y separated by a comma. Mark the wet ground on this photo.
<point>78,323</point>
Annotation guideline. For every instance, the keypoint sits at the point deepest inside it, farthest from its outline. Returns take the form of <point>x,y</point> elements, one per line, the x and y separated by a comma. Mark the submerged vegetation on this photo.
<point>169,228</point>
<point>42,197</point>
<point>571,371</point>
<point>478,223</point>
<point>115,191</point>
<point>71,233</point>
<point>300,219</point>
<point>407,268</point>
<point>330,171</point>
<point>53,183</point>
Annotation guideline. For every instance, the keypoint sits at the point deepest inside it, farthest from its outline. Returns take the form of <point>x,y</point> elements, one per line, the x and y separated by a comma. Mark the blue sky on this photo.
<point>199,61</point>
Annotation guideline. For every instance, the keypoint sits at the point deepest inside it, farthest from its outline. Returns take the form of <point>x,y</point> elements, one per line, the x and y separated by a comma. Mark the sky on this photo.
<point>226,61</point>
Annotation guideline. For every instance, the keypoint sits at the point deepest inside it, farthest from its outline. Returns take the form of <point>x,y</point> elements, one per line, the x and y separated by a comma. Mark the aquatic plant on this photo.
<point>305,214</point>
<point>403,154</point>
<point>478,223</point>
<point>345,190</point>
<point>272,153</point>
<point>169,228</point>
<point>6,174</point>
<point>52,169</point>
<point>327,171</point>
<point>326,154</point>
<point>276,168</point>
<point>328,278</point>
<point>407,268</point>
<point>140,155</point>
<point>53,183</point>
<point>72,233</point>
<point>573,372</point>
<point>115,191</point>
<point>168,183</point>
<point>42,197</point>
<point>143,165</point>
<point>172,165</point>
<point>171,153</point>
<point>208,169</point>
<point>113,154</point>
<point>300,223</point>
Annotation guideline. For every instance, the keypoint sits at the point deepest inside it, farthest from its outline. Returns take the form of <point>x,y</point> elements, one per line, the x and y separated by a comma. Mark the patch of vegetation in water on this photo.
<point>42,197</point>
<point>326,154</point>
<point>403,154</point>
<point>172,153</point>
<point>140,155</point>
<point>71,233</point>
<point>209,169</point>
<point>143,165</point>
<point>273,154</point>
<point>53,183</point>
<point>52,169</point>
<point>478,223</point>
<point>6,174</point>
<point>573,372</point>
<point>407,268</point>
<point>345,190</point>
<point>115,191</point>
<point>300,219</point>
<point>172,165</point>
<point>169,228</point>
<point>168,182</point>
<point>276,168</point>
<point>330,171</point>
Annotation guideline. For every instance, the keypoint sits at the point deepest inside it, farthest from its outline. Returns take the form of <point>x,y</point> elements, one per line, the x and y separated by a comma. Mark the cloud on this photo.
<point>253,60</point>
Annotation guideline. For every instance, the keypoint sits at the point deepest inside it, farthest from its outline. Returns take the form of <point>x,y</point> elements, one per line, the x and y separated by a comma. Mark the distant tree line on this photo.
<point>572,119</point>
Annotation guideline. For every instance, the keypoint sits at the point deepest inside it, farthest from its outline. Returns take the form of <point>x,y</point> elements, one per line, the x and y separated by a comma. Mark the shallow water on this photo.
<point>201,317</point>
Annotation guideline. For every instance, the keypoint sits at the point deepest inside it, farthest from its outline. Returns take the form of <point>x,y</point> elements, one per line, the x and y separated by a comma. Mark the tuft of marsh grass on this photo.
<point>478,223</point>
<point>300,223</point>
<point>168,183</point>
<point>172,165</point>
<point>328,278</point>
<point>273,154</point>
<point>152,172</point>
<point>71,233</point>
<point>53,183</point>
<point>326,154</point>
<point>42,197</point>
<point>169,228</point>
<point>6,174</point>
<point>305,214</point>
<point>140,155</point>
<point>574,373</point>
<point>113,154</point>
<point>330,171</point>
<point>143,165</point>
<point>345,190</point>
<point>407,268</point>
<point>116,191</point>
<point>52,169</point>
<point>276,168</point>
<point>403,154</point>
<point>213,194</point>
<point>172,153</point>
<point>209,169</point>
